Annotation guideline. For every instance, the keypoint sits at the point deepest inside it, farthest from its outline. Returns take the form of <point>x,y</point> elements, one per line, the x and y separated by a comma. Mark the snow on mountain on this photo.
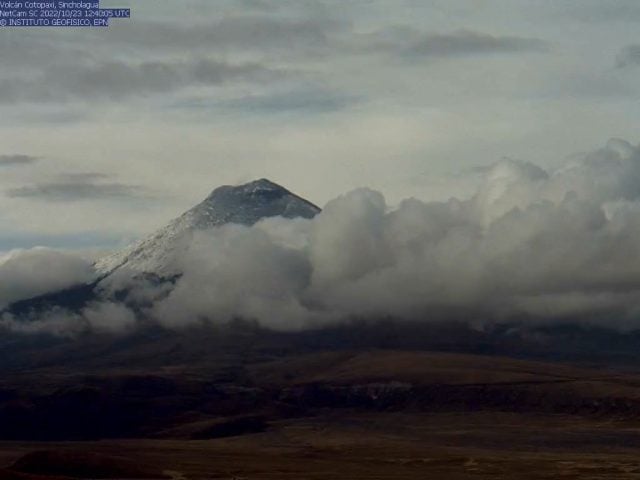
<point>244,204</point>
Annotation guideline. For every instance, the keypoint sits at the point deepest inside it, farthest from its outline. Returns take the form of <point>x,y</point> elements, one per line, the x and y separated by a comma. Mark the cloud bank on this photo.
<point>28,273</point>
<point>98,317</point>
<point>529,246</point>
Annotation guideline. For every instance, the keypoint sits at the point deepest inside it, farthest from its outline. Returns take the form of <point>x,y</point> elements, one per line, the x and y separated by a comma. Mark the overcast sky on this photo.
<point>106,134</point>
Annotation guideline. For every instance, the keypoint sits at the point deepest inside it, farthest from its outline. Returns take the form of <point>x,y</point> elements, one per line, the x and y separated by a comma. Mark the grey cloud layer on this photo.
<point>87,68</point>
<point>118,80</point>
<point>309,100</point>
<point>472,43</point>
<point>629,56</point>
<point>79,186</point>
<point>596,11</point>
<point>16,160</point>
<point>255,33</point>
<point>113,71</point>
<point>322,36</point>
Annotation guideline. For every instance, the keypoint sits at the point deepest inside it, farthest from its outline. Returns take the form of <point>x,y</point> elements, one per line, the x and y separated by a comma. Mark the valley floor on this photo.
<point>352,445</point>
<point>346,415</point>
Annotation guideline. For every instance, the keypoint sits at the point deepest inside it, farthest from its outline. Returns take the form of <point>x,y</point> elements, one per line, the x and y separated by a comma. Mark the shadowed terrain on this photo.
<point>273,409</point>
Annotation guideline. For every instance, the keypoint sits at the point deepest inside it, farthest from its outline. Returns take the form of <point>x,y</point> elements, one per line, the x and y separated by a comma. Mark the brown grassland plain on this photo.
<point>381,415</point>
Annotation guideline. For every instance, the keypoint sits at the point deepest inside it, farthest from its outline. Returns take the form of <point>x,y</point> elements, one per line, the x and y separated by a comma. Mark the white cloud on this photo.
<point>109,317</point>
<point>28,273</point>
<point>101,317</point>
<point>530,243</point>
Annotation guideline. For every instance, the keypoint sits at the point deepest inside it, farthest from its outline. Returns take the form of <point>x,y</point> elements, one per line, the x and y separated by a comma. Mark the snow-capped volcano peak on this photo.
<point>244,204</point>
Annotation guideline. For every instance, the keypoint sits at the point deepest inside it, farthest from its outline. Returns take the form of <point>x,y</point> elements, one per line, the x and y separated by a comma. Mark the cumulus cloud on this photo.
<point>531,245</point>
<point>608,174</point>
<point>28,273</point>
<point>546,246</point>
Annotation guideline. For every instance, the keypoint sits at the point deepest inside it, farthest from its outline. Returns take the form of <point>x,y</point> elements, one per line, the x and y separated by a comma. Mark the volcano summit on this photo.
<point>245,204</point>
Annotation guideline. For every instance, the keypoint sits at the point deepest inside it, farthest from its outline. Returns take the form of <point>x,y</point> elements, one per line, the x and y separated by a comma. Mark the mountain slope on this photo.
<point>153,257</point>
<point>245,205</point>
